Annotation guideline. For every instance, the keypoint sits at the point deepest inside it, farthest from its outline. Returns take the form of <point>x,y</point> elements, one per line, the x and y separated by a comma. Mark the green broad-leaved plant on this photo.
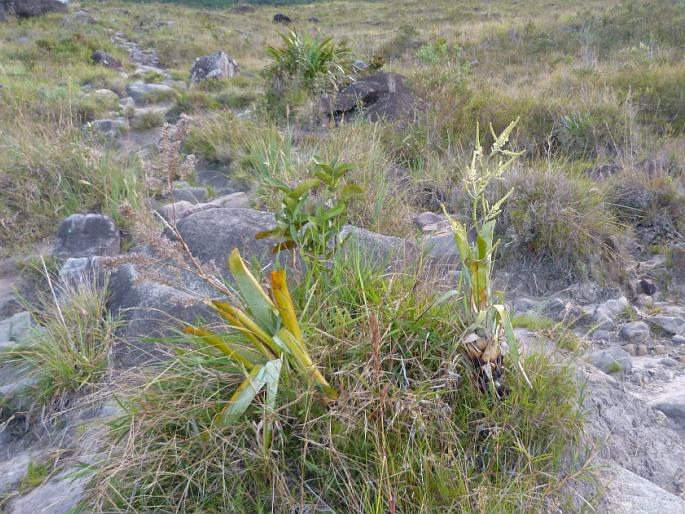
<point>313,227</point>
<point>263,340</point>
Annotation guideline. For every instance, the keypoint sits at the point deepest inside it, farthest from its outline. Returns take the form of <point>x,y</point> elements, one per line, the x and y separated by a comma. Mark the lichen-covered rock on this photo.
<point>217,65</point>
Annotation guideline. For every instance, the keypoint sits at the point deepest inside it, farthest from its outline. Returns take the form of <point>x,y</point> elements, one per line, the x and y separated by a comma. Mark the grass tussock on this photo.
<point>410,432</point>
<point>68,353</point>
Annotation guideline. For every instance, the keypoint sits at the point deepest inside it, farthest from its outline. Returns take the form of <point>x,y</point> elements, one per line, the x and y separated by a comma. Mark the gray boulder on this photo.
<point>377,250</point>
<point>441,249</point>
<point>150,309</point>
<point>382,96</point>
<point>79,270</point>
<point>635,332</point>
<point>87,235</point>
<point>190,194</point>
<point>212,234</point>
<point>217,66</point>
<point>109,128</point>
<point>607,312</point>
<point>106,60</point>
<point>611,360</point>
<point>427,218</point>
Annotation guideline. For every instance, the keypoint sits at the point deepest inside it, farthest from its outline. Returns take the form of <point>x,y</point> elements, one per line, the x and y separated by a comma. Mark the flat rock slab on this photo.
<point>59,495</point>
<point>87,235</point>
<point>628,493</point>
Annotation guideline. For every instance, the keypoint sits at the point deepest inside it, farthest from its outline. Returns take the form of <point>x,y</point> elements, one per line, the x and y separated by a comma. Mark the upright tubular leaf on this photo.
<point>256,300</point>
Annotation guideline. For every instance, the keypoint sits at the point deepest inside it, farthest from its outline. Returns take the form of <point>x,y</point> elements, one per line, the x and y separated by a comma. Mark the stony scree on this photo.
<point>87,235</point>
<point>626,430</point>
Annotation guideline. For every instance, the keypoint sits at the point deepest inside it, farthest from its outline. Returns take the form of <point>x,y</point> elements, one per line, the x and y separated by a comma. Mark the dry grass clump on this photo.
<point>652,202</point>
<point>171,164</point>
<point>558,223</point>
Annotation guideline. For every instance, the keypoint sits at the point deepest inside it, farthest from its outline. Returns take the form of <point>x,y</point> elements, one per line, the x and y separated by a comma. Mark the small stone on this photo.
<point>238,200</point>
<point>674,408</point>
<point>635,332</point>
<point>427,218</point>
<point>612,360</point>
<point>660,349</point>
<point>106,96</point>
<point>104,59</point>
<point>607,312</point>
<point>641,349</point>
<point>555,308</point>
<point>643,300</point>
<point>523,304</point>
<point>601,335</point>
<point>646,286</point>
<point>282,19</point>
<point>142,92</point>
<point>175,211</point>
<point>669,363</point>
<point>631,349</point>
<point>678,339</point>
<point>585,292</point>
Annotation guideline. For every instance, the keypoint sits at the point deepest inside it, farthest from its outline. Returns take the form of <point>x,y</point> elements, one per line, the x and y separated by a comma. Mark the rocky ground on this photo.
<point>631,362</point>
